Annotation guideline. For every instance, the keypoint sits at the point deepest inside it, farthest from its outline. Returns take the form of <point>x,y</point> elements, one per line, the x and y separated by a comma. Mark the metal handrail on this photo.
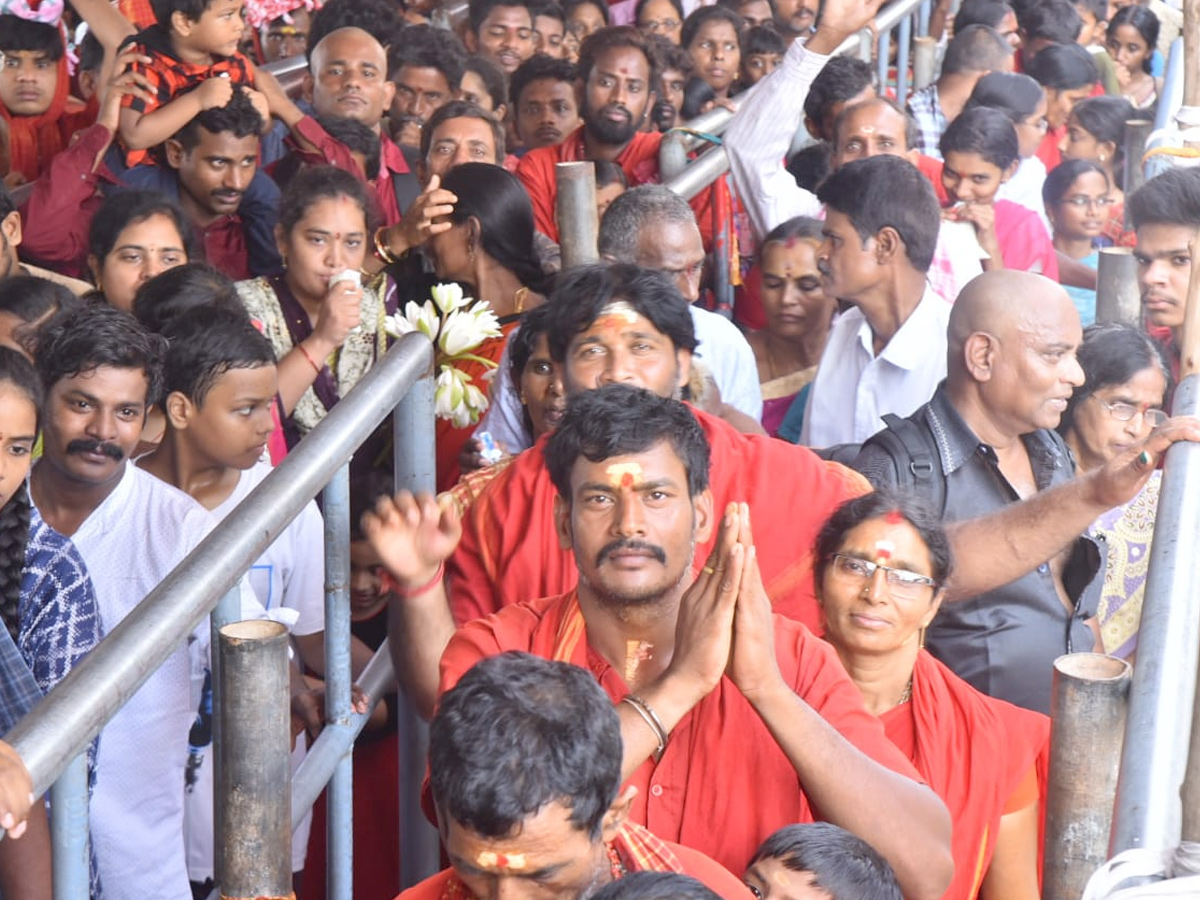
<point>63,724</point>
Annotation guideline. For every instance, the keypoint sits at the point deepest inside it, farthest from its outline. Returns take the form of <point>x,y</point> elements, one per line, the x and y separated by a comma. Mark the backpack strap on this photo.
<point>916,458</point>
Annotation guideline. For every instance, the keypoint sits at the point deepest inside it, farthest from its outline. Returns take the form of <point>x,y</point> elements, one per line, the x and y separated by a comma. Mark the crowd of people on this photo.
<point>714,599</point>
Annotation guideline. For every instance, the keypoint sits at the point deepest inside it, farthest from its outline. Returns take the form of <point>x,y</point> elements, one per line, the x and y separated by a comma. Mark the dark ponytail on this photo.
<point>17,371</point>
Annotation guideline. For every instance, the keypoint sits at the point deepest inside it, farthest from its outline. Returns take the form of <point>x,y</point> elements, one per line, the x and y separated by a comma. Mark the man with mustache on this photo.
<point>427,68</point>
<point>102,371</point>
<point>617,73</point>
<point>501,31</point>
<point>734,721</point>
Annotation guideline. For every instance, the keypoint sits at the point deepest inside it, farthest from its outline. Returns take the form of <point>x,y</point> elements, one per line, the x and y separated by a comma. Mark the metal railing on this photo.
<point>55,734</point>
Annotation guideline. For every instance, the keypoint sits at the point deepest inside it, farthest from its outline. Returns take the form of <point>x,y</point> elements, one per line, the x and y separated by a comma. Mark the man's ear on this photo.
<point>683,359</point>
<point>175,152</point>
<point>178,409</point>
<point>888,245</point>
<point>979,356</point>
<point>470,40</point>
<point>562,523</point>
<point>702,526</point>
<point>616,815</point>
<point>10,227</point>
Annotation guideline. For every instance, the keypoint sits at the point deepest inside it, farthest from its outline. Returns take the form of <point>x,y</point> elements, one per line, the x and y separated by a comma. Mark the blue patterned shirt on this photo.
<point>927,115</point>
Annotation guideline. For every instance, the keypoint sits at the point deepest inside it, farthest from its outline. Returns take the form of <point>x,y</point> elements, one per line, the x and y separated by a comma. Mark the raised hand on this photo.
<point>418,224</point>
<point>16,792</point>
<point>752,664</point>
<point>215,93</point>
<point>412,535</point>
<point>125,80</point>
<point>340,313</point>
<point>840,19</point>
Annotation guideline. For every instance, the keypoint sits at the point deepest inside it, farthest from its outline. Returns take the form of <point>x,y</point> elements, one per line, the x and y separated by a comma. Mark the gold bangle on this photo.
<point>381,249</point>
<point>650,717</point>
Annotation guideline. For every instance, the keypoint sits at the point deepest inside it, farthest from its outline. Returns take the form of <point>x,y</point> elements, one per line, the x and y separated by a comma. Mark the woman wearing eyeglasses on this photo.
<point>881,561</point>
<point>1076,194</point>
<point>1118,405</point>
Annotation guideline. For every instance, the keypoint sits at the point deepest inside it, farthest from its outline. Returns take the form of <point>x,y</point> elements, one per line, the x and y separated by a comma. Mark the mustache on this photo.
<point>90,445</point>
<point>641,546</point>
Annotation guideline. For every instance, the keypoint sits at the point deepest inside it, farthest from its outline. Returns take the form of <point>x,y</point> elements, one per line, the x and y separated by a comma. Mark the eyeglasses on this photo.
<point>1124,412</point>
<point>901,582</point>
<point>1042,124</point>
<point>654,26</point>
<point>1081,201</point>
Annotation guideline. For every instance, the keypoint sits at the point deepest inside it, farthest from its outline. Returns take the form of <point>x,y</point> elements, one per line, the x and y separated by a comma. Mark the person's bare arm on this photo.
<point>340,313</point>
<point>1075,273</point>
<point>25,872</point>
<point>1000,547</point>
<point>905,821</point>
<point>413,537</point>
<point>105,22</point>
<point>142,130</point>
<point>1012,873</point>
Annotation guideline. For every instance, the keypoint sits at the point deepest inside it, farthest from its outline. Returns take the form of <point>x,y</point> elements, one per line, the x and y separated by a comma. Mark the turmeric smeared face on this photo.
<point>622,346</point>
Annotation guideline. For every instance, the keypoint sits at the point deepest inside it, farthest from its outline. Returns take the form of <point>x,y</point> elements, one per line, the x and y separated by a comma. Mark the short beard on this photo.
<point>643,599</point>
<point>609,133</point>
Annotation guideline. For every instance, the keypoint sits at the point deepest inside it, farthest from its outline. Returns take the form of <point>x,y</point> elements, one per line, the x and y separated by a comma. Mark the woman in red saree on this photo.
<point>881,562</point>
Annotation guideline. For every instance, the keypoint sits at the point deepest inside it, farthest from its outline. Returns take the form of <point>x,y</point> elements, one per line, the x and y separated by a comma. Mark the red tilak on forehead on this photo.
<point>627,480</point>
<point>791,242</point>
<point>893,517</point>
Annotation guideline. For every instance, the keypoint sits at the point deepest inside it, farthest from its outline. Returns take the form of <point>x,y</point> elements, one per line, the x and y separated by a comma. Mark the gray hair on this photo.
<point>634,211</point>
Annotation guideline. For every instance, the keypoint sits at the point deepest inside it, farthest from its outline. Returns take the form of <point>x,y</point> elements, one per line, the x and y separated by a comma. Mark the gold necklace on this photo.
<point>907,695</point>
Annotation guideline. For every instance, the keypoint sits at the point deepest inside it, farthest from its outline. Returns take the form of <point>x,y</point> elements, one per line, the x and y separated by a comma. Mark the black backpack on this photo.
<point>914,455</point>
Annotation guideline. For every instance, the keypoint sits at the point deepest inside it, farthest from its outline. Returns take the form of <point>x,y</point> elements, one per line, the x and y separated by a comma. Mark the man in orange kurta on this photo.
<point>619,81</point>
<point>734,721</point>
<point>509,551</point>
<point>564,826</point>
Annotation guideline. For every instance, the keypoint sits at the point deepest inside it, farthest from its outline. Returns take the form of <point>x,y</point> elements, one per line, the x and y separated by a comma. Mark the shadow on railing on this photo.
<point>59,730</point>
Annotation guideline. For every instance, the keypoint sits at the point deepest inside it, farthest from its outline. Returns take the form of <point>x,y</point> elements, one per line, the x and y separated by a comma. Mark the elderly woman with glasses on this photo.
<point>881,562</point>
<point>1119,404</point>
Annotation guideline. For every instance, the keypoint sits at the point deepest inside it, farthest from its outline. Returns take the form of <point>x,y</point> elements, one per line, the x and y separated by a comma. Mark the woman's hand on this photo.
<point>341,313</point>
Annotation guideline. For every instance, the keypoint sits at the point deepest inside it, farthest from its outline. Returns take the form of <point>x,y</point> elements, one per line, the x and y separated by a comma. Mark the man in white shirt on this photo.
<point>102,371</point>
<point>888,352</point>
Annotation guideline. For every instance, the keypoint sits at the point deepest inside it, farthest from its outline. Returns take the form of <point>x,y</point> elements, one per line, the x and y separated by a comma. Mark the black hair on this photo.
<point>357,137</point>
<point>1104,119</point>
<point>1144,22</point>
<point>550,9</point>
<point>124,208</point>
<point>910,507</point>
<point>981,12</point>
<point>1064,67</point>
<point>987,132</point>
<point>191,9</point>
<point>843,865</point>
<point>600,42</point>
<point>887,191</point>
<point>497,200</point>
<point>91,337</point>
<point>1061,177</point>
<point>462,109</point>
<point>207,342</point>
<point>669,56</point>
<point>619,419</point>
<point>811,165</point>
<point>8,205</point>
<point>655,886</point>
<point>312,185</point>
<point>534,324</point>
<point>1111,354</point>
<point>763,39</point>
<point>697,93</point>
<point>17,371</point>
<point>1172,198</point>
<point>1098,9</point>
<point>426,47</point>
<point>1050,20</point>
<point>797,228</point>
<point>976,48</point>
<point>608,172</point>
<point>581,294</point>
<point>506,741</point>
<point>701,16</point>
<point>91,53</point>
<point>479,10</point>
<point>33,300</point>
<point>841,79</point>
<point>911,132</point>
<point>366,488</point>
<point>1017,96</point>
<point>238,117</point>
<point>17,34</point>
<point>495,82</point>
<point>378,18</point>
<point>538,68</point>
<point>569,6</point>
<point>642,4</point>
<point>181,289</point>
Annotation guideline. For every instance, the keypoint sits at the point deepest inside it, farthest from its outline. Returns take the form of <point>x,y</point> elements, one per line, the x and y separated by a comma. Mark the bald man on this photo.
<point>1030,575</point>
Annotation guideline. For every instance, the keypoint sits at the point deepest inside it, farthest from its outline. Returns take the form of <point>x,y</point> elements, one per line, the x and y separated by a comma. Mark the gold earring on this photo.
<point>921,639</point>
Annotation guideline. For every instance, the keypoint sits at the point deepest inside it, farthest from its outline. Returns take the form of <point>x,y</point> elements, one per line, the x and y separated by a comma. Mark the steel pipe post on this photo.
<point>904,38</point>
<point>924,57</point>
<point>74,712</point>
<point>255,849</point>
<point>227,611</point>
<point>1087,704</point>
<point>924,13</point>
<point>415,453</point>
<point>339,834</point>
<point>576,214</point>
<point>1190,794</point>
<point>1118,297</point>
<point>1137,132</point>
<point>69,831</point>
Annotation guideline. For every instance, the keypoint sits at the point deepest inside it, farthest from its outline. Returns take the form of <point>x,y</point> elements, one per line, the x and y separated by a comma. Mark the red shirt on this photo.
<point>723,784</point>
<point>509,549</point>
<point>639,162</point>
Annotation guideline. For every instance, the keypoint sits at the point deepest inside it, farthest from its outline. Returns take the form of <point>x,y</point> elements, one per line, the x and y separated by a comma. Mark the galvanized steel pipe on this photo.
<point>1118,297</point>
<point>1137,132</point>
<point>575,211</point>
<point>255,849</point>
<point>1088,701</point>
<point>69,832</point>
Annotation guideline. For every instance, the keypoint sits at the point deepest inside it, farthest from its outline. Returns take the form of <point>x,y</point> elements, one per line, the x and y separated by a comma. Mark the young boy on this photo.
<point>763,54</point>
<point>1094,15</point>
<point>195,63</point>
<point>220,385</point>
<point>819,862</point>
